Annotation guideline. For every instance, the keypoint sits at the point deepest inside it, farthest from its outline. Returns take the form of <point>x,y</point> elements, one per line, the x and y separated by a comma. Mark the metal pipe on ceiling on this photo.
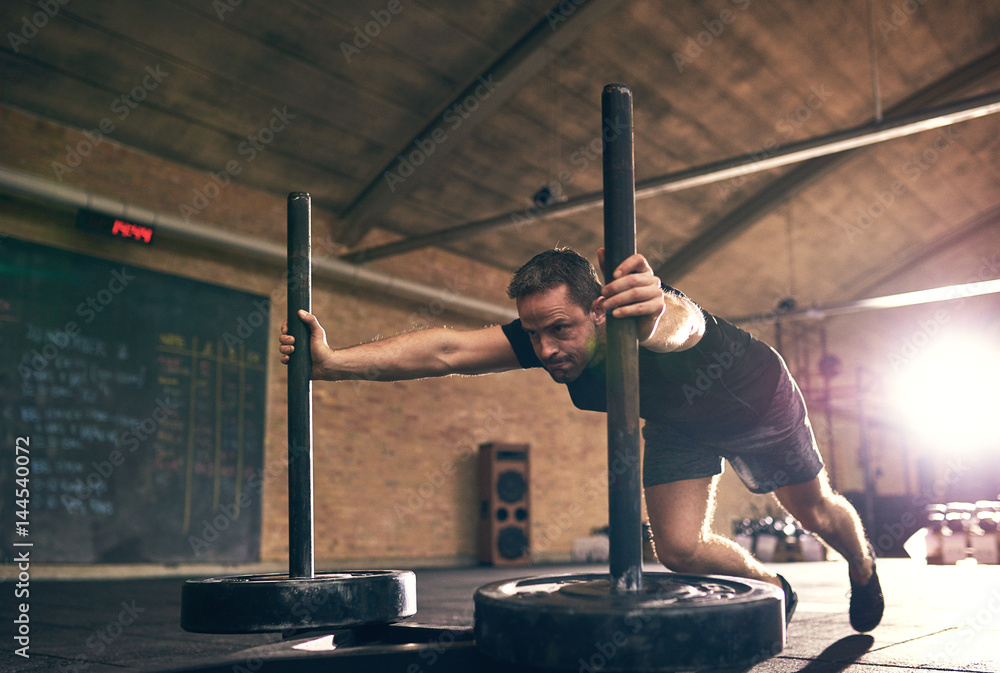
<point>559,28</point>
<point>714,234</point>
<point>23,184</point>
<point>915,298</point>
<point>717,171</point>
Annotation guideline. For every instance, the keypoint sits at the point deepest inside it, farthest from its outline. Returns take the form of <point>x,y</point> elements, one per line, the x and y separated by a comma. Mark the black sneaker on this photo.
<point>791,600</point>
<point>867,602</point>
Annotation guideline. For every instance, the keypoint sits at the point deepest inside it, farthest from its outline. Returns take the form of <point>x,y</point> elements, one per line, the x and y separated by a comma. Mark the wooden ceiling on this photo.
<point>326,97</point>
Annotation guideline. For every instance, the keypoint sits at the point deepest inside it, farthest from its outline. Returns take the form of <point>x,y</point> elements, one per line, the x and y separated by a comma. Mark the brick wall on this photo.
<point>394,462</point>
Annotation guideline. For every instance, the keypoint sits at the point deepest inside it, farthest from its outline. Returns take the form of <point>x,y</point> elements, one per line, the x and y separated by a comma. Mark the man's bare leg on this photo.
<point>834,520</point>
<point>830,516</point>
<point>680,514</point>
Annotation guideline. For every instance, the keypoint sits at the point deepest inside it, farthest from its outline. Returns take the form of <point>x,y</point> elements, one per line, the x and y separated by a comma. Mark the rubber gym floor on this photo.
<point>938,618</point>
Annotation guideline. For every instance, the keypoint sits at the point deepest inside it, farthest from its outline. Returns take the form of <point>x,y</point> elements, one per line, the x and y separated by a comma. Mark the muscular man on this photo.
<point>708,392</point>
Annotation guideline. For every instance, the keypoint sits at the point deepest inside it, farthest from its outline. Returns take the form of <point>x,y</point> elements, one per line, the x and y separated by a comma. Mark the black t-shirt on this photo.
<point>720,387</point>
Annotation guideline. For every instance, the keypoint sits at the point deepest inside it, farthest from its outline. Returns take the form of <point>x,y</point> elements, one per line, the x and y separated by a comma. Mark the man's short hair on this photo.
<point>559,266</point>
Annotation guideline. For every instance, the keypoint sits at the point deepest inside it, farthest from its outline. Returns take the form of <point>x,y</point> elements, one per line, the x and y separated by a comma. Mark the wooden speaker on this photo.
<point>504,505</point>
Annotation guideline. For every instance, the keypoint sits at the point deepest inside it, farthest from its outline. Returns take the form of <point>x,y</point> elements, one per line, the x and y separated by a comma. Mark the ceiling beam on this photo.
<point>986,221</point>
<point>826,147</point>
<point>735,222</point>
<point>557,30</point>
<point>918,297</point>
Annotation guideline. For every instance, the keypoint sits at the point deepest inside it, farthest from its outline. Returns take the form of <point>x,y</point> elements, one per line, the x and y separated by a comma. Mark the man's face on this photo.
<point>563,335</point>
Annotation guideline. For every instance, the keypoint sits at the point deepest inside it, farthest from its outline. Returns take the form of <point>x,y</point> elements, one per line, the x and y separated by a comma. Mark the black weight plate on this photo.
<point>268,603</point>
<point>676,623</point>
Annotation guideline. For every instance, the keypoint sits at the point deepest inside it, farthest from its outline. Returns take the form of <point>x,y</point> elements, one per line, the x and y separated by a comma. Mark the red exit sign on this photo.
<point>113,226</point>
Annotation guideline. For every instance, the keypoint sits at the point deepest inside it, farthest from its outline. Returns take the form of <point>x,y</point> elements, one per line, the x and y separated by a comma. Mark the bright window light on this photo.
<point>949,395</point>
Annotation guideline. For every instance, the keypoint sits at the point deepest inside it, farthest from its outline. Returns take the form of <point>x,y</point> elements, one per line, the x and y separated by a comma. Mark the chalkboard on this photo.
<point>140,400</point>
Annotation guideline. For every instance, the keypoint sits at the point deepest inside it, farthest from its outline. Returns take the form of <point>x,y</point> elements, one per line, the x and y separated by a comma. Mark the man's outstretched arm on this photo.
<point>411,355</point>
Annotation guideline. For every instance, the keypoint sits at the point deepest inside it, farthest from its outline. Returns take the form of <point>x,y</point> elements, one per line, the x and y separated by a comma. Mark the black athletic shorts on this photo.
<point>780,451</point>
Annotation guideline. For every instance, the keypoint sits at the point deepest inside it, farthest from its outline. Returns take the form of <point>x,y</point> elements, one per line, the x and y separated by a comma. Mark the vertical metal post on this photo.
<point>624,485</point>
<point>828,373</point>
<point>300,459</point>
<point>865,452</point>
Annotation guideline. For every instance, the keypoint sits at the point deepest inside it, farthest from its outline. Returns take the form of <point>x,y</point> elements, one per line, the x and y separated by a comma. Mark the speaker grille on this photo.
<point>511,486</point>
<point>512,543</point>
